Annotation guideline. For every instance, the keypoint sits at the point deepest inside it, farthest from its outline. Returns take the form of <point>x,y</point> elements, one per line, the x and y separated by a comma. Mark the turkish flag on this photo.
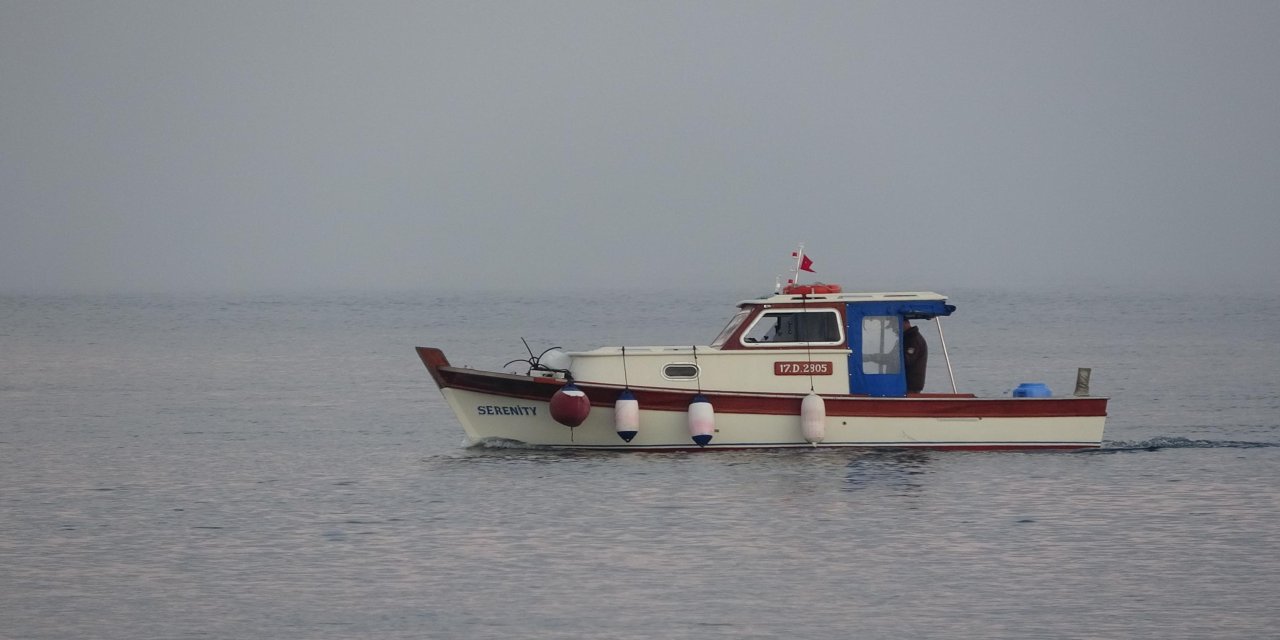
<point>806,264</point>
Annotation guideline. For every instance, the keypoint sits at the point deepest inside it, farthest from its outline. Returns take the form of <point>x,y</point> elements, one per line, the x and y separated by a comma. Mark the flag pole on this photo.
<point>795,271</point>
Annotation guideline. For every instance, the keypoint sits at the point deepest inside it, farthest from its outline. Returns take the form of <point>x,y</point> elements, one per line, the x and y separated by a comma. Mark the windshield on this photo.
<point>734,323</point>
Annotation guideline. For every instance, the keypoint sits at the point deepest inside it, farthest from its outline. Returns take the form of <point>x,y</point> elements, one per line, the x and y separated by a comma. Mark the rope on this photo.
<point>808,346</point>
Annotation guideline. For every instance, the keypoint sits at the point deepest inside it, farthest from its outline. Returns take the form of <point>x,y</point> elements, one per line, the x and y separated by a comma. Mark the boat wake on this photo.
<point>1169,442</point>
<point>504,443</point>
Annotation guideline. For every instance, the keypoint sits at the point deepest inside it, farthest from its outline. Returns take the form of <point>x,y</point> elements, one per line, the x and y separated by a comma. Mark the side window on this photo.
<point>819,327</point>
<point>680,371</point>
<point>766,329</point>
<point>781,327</point>
<point>881,345</point>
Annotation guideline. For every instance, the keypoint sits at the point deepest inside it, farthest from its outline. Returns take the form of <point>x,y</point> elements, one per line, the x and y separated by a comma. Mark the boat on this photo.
<point>806,366</point>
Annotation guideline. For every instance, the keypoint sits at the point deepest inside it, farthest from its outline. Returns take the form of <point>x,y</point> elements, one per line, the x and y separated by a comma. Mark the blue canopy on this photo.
<point>910,309</point>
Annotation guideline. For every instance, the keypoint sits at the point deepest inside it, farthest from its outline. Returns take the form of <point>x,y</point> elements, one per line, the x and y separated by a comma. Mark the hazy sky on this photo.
<point>257,145</point>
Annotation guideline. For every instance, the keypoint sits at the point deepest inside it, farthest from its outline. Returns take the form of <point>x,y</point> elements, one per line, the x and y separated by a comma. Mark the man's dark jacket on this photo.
<point>916,353</point>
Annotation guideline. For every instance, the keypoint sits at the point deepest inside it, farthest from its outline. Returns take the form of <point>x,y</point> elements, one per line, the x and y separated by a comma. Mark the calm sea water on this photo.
<point>283,467</point>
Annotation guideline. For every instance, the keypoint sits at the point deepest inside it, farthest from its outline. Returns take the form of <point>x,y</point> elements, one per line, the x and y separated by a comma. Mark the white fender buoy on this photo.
<point>702,420</point>
<point>626,415</point>
<point>570,406</point>
<point>813,418</point>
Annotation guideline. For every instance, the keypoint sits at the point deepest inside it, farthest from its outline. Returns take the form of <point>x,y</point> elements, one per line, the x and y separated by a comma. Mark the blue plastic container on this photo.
<point>1032,390</point>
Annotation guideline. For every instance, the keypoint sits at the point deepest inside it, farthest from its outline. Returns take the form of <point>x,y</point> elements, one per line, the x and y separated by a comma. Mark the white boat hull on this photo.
<point>507,407</point>
<point>487,417</point>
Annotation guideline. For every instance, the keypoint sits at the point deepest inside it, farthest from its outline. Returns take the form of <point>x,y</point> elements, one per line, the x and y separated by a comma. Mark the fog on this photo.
<point>250,146</point>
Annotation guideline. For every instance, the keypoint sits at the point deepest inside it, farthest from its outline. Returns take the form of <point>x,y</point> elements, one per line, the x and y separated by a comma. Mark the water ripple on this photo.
<point>1174,442</point>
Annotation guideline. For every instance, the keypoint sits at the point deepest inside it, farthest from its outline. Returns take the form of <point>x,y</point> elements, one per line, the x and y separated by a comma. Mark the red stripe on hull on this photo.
<point>942,406</point>
<point>828,446</point>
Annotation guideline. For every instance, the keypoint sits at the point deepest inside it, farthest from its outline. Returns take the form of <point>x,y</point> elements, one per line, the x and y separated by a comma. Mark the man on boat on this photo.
<point>916,354</point>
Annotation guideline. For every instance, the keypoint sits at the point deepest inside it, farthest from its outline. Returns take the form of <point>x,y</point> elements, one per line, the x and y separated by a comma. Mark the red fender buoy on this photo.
<point>570,406</point>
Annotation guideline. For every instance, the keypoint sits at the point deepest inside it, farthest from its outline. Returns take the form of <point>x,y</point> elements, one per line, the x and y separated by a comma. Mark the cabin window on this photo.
<point>680,371</point>
<point>791,326</point>
<point>734,323</point>
<point>880,345</point>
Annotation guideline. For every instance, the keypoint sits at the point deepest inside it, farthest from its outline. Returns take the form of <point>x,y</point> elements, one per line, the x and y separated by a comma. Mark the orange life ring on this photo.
<point>811,289</point>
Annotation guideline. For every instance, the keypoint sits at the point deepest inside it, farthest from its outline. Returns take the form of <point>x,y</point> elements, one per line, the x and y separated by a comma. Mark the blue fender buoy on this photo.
<point>702,420</point>
<point>626,415</point>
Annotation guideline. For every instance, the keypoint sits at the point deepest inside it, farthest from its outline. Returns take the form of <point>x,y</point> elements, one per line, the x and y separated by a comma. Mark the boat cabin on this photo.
<point>867,325</point>
<point>797,340</point>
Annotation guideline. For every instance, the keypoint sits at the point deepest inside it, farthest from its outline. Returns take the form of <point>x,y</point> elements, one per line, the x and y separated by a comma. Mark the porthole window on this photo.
<point>680,371</point>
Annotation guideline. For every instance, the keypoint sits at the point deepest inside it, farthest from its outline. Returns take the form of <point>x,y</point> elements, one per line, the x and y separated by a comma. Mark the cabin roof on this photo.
<point>886,296</point>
